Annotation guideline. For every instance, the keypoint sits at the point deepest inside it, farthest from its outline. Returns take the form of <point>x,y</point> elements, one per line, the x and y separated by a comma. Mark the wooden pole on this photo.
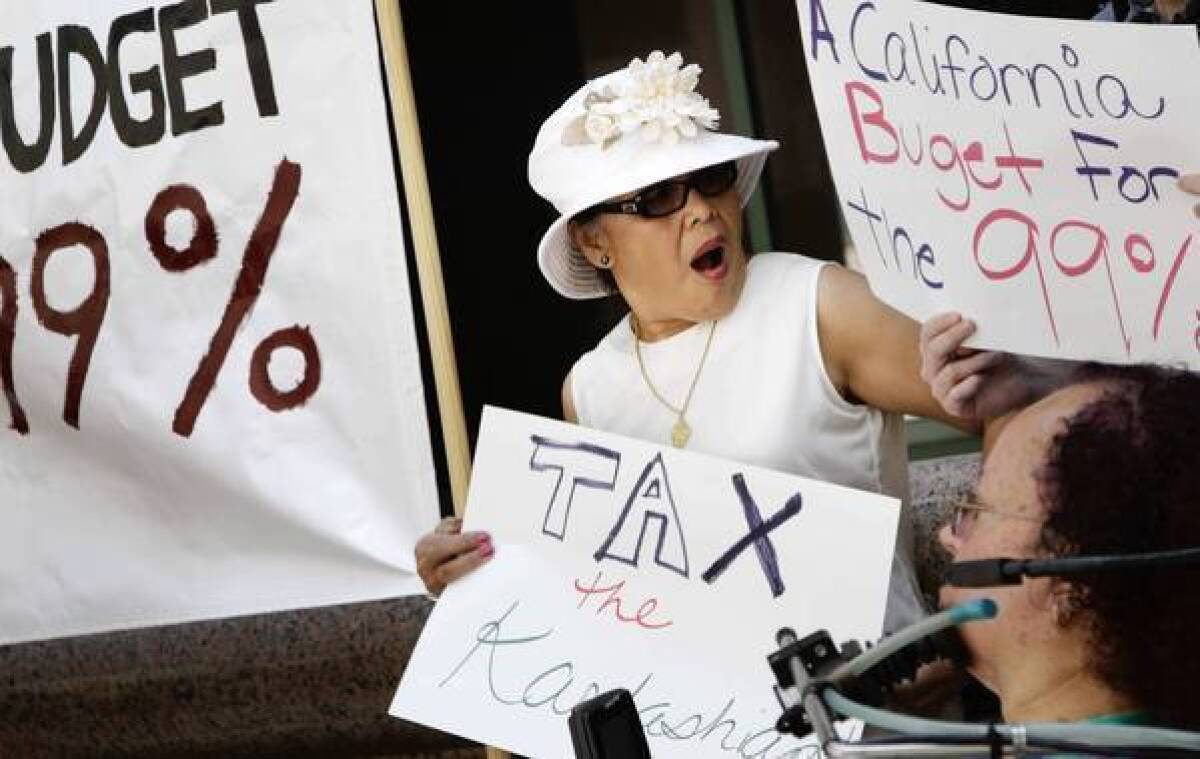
<point>429,263</point>
<point>425,244</point>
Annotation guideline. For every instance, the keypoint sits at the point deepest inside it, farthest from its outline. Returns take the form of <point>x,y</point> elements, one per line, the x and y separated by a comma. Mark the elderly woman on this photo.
<point>776,360</point>
<point>1108,465</point>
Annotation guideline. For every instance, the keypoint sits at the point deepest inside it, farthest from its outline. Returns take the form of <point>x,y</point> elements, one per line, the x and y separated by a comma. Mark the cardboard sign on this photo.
<point>623,564</point>
<point>212,398</point>
<point>1019,170</point>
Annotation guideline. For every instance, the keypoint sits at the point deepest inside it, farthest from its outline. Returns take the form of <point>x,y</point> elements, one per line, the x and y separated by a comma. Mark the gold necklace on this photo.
<point>681,431</point>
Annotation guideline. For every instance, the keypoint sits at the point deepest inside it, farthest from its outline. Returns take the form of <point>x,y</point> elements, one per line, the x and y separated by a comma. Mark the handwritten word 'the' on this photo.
<point>612,600</point>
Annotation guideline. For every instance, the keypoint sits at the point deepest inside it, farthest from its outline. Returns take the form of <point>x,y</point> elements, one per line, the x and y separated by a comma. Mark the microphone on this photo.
<point>984,573</point>
<point>989,573</point>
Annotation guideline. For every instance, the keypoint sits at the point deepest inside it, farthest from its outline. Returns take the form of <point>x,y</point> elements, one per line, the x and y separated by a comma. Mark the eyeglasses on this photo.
<point>967,510</point>
<point>665,198</point>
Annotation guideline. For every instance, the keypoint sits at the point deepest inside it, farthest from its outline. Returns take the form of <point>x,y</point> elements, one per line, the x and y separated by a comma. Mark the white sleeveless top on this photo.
<point>763,398</point>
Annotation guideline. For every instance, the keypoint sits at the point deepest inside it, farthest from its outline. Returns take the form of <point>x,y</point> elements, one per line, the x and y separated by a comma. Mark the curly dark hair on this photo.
<point>1124,477</point>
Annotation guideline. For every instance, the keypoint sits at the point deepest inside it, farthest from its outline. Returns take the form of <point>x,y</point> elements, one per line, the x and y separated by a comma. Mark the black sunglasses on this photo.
<point>665,198</point>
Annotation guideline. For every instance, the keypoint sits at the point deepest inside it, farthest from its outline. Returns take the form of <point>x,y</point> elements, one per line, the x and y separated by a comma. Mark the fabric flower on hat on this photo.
<point>656,98</point>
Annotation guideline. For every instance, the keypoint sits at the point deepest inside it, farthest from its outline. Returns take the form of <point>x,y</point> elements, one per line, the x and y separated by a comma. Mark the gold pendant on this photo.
<point>680,433</point>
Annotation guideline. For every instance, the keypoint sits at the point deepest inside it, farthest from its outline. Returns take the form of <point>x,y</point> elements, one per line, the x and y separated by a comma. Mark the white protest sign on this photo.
<point>623,564</point>
<point>1019,170</point>
<point>213,403</point>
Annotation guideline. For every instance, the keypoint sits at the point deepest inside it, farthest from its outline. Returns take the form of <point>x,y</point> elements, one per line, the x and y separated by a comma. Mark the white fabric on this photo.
<point>122,522</point>
<point>763,397</point>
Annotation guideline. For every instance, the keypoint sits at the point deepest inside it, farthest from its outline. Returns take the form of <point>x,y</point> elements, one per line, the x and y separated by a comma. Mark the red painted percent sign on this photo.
<point>84,322</point>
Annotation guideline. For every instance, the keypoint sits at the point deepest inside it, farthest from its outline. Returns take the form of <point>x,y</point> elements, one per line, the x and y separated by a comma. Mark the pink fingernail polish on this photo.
<point>486,549</point>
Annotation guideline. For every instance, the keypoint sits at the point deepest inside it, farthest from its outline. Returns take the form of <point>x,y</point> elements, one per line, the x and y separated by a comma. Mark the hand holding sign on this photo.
<point>975,384</point>
<point>446,554</point>
<point>957,375</point>
<point>1191,183</point>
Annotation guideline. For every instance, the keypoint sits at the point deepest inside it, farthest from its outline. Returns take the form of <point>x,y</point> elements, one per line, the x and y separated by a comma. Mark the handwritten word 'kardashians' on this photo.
<point>501,646</point>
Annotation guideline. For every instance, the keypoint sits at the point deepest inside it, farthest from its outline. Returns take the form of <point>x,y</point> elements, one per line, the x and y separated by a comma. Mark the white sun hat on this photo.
<point>617,134</point>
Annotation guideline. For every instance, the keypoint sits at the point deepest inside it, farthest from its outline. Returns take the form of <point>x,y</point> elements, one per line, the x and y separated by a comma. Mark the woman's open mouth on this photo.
<point>711,262</point>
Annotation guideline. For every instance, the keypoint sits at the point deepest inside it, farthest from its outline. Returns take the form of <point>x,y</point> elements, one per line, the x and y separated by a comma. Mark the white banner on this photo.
<point>1019,170</point>
<point>623,564</point>
<point>206,336</point>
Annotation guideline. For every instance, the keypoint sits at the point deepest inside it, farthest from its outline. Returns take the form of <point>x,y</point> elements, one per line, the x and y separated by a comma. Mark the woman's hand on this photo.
<point>968,383</point>
<point>448,553</point>
<point>1191,183</point>
<point>982,385</point>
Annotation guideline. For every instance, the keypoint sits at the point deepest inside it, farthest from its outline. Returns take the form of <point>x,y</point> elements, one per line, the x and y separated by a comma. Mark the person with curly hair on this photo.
<point>1106,465</point>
